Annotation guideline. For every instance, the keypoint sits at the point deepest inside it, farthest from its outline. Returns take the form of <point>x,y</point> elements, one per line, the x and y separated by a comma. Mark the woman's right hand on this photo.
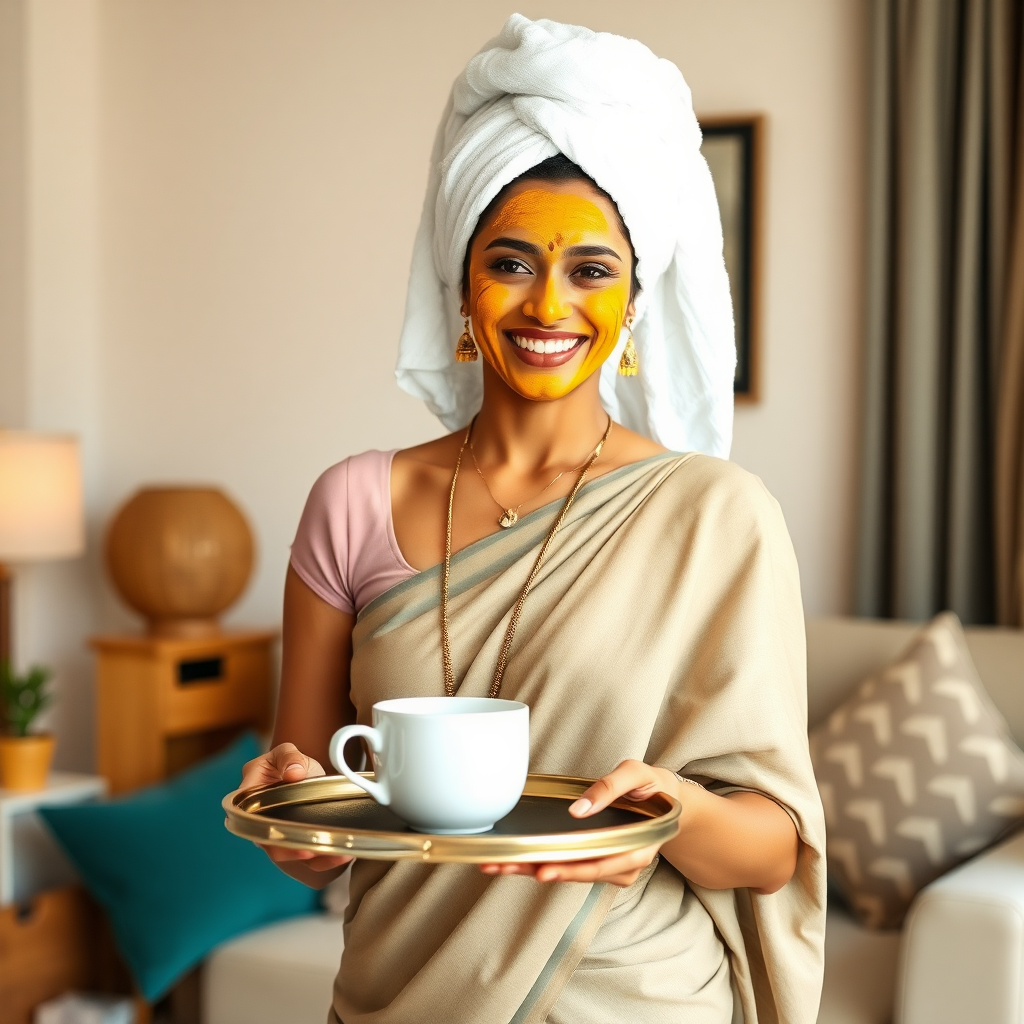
<point>286,763</point>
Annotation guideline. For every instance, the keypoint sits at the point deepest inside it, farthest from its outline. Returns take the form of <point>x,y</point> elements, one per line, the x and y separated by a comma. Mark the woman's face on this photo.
<point>548,286</point>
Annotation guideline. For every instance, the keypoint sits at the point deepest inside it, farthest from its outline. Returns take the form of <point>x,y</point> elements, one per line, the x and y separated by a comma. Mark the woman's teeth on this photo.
<point>547,347</point>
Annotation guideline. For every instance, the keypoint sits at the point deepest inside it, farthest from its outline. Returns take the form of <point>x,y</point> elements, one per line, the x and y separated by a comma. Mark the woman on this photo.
<point>645,604</point>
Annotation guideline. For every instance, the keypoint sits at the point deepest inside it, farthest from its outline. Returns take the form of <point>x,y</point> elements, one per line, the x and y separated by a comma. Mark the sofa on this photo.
<point>959,957</point>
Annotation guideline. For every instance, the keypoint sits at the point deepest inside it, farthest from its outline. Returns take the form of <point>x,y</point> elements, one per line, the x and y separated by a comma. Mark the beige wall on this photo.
<point>261,167</point>
<point>50,258</point>
<point>12,213</point>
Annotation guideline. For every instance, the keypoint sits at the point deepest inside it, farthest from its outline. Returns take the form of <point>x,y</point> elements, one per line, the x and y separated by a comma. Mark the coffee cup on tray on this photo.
<point>447,765</point>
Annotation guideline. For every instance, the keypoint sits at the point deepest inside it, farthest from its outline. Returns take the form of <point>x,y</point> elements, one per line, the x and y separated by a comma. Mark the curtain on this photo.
<point>942,122</point>
<point>1009,490</point>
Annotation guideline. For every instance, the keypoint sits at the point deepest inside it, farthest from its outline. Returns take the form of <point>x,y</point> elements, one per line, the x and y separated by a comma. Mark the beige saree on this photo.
<point>666,625</point>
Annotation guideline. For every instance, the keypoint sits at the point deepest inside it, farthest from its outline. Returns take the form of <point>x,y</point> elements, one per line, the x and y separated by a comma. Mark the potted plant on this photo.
<point>24,757</point>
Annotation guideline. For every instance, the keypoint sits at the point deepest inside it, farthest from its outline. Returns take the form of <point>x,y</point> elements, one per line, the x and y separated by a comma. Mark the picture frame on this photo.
<point>733,147</point>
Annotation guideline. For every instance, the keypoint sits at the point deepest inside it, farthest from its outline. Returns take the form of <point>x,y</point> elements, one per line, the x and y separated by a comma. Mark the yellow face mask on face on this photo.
<point>549,287</point>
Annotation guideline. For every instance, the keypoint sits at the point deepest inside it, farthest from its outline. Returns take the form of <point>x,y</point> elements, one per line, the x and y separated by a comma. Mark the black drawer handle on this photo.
<point>202,670</point>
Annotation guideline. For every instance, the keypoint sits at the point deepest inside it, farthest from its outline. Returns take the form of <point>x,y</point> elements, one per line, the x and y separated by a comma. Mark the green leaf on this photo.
<point>23,697</point>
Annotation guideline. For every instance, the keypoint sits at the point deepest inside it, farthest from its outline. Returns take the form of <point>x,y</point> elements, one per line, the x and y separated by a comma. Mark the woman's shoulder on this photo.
<point>439,453</point>
<point>626,447</point>
<point>355,472</point>
<point>707,482</point>
<point>424,469</point>
<point>718,514</point>
<point>357,463</point>
<point>342,547</point>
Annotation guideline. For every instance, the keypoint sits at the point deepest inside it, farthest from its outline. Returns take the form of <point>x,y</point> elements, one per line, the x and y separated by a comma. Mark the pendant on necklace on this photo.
<point>509,518</point>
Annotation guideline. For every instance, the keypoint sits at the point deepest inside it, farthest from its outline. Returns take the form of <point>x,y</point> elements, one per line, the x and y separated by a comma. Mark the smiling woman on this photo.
<point>643,602</point>
<point>546,285</point>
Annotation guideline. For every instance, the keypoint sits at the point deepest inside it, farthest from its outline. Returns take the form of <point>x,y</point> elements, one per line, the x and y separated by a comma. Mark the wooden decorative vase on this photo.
<point>180,556</point>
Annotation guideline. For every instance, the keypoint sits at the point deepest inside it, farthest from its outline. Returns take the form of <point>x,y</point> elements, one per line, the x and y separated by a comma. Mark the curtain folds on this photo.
<point>938,400</point>
<point>1009,490</point>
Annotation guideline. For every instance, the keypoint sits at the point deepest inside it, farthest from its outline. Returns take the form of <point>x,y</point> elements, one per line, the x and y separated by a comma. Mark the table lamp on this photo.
<point>41,514</point>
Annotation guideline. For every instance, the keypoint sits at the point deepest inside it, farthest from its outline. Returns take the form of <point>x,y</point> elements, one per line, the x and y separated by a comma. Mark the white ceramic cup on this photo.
<point>448,765</point>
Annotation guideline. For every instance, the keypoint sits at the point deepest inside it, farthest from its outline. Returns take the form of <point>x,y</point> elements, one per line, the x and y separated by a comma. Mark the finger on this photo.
<point>259,772</point>
<point>282,854</point>
<point>314,860</point>
<point>629,777</point>
<point>508,869</point>
<point>601,869</point>
<point>327,862</point>
<point>284,763</point>
<point>623,881</point>
<point>588,873</point>
<point>292,764</point>
<point>577,871</point>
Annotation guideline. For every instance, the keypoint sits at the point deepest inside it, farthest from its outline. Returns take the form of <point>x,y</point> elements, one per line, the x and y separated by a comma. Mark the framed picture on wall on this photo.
<point>732,147</point>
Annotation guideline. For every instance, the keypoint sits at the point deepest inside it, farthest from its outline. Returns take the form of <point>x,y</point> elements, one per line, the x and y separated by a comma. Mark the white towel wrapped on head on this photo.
<point>626,118</point>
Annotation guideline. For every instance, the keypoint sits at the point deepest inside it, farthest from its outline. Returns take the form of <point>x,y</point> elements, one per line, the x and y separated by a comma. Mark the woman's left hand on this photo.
<point>632,780</point>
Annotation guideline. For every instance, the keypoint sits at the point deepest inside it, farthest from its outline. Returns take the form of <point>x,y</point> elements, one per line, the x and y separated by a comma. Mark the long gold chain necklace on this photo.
<point>510,516</point>
<point>510,632</point>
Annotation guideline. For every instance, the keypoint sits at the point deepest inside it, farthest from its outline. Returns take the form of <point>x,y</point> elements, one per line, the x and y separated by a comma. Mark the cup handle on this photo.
<point>378,790</point>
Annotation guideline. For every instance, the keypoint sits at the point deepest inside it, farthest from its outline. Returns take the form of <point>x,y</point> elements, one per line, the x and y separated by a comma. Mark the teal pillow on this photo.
<point>174,882</point>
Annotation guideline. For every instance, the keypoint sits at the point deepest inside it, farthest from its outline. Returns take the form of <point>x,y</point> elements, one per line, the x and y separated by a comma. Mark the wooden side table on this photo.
<point>164,703</point>
<point>48,941</point>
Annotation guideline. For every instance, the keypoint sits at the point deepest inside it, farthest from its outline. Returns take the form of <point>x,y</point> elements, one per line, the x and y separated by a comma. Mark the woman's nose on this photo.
<point>547,302</point>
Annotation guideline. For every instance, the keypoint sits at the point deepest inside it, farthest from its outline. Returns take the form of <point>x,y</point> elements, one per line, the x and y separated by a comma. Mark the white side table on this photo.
<point>30,859</point>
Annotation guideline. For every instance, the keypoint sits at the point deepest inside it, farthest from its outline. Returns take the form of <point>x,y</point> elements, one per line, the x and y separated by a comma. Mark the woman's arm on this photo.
<point>739,840</point>
<point>316,654</point>
<point>316,651</point>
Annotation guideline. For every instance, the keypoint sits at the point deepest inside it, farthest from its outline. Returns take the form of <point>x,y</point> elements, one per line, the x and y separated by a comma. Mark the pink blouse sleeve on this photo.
<point>320,554</point>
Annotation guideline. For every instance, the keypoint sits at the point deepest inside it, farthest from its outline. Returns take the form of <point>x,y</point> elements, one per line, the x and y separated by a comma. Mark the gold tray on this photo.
<point>331,815</point>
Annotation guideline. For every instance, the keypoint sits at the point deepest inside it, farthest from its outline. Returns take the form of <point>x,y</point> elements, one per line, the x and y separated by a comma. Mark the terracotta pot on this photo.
<point>180,556</point>
<point>25,761</point>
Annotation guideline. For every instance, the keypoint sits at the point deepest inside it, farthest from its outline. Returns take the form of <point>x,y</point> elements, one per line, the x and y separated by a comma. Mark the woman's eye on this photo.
<point>508,265</point>
<point>592,272</point>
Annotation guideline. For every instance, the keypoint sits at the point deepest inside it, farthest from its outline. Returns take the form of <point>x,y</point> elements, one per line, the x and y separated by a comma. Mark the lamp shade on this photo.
<point>41,512</point>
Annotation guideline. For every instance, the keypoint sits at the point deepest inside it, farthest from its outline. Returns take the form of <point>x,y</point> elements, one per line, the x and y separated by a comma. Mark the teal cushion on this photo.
<point>174,882</point>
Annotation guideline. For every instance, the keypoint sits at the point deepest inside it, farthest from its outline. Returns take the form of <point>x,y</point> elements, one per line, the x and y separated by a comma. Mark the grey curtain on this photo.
<point>943,110</point>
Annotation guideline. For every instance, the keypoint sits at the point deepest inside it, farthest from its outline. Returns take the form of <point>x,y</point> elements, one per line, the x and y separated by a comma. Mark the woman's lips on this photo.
<point>545,348</point>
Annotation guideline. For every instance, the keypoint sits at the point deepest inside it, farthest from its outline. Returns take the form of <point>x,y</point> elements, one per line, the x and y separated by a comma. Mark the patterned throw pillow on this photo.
<point>917,772</point>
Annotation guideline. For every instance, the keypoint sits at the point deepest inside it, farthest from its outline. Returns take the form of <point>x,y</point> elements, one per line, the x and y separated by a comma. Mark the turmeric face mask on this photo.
<point>549,287</point>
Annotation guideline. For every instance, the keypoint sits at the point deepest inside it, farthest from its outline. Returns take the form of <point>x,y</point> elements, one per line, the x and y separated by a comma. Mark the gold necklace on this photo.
<point>510,516</point>
<point>510,632</point>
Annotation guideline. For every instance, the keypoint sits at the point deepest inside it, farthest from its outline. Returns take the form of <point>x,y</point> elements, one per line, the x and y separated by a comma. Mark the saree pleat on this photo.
<point>665,626</point>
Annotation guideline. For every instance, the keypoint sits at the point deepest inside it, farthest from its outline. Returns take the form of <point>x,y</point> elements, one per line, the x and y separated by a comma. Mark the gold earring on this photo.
<point>465,351</point>
<point>629,364</point>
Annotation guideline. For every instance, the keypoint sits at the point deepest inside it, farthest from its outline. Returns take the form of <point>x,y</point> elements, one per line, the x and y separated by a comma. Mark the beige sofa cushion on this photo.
<point>916,771</point>
<point>842,652</point>
<point>280,974</point>
<point>860,972</point>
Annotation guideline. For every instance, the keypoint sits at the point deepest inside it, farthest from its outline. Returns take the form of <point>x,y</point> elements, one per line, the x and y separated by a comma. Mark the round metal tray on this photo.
<point>331,815</point>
